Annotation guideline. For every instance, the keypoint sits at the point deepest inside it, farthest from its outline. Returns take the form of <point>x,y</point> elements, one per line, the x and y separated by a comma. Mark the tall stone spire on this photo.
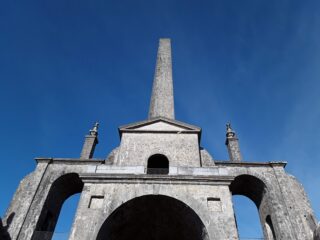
<point>162,103</point>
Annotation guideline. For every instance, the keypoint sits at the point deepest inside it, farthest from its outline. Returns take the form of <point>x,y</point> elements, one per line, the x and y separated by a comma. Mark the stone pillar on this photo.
<point>90,142</point>
<point>232,143</point>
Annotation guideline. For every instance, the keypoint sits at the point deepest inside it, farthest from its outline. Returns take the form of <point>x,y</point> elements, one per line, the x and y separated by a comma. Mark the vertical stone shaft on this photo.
<point>234,150</point>
<point>89,145</point>
<point>232,143</point>
<point>90,142</point>
<point>162,102</point>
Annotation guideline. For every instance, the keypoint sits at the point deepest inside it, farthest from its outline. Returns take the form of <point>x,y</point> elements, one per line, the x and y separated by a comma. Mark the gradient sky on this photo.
<point>66,64</point>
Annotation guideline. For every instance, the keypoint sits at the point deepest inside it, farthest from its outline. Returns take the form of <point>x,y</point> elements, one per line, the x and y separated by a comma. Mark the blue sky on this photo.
<point>66,64</point>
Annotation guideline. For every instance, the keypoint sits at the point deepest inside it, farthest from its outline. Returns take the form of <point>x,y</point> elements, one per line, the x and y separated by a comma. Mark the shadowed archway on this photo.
<point>249,186</point>
<point>153,217</point>
<point>61,189</point>
<point>256,190</point>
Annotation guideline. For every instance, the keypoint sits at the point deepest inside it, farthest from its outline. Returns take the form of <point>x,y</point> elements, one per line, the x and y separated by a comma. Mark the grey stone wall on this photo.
<point>283,198</point>
<point>180,149</point>
<point>29,199</point>
<point>23,198</point>
<point>218,218</point>
<point>285,202</point>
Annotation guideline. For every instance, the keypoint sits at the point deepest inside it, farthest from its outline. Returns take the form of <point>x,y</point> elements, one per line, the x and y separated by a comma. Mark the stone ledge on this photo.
<point>70,160</point>
<point>251,164</point>
<point>177,171</point>
<point>105,169</point>
<point>155,179</point>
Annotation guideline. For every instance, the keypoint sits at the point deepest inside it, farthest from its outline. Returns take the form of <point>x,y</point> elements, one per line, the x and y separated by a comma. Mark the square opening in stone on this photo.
<point>214,204</point>
<point>96,202</point>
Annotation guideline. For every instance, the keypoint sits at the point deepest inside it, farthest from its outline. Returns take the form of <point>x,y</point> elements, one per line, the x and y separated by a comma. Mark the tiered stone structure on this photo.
<point>158,184</point>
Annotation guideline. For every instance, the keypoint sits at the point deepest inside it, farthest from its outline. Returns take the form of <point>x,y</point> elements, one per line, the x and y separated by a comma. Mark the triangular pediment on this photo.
<point>160,125</point>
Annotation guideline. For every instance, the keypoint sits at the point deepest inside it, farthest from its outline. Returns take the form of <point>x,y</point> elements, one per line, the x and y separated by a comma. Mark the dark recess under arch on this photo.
<point>153,217</point>
<point>249,186</point>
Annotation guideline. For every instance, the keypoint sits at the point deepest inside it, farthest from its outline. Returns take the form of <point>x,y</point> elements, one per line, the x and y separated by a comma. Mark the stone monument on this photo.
<point>159,183</point>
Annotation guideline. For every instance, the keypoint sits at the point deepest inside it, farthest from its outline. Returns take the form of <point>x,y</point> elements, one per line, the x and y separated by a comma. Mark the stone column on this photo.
<point>232,143</point>
<point>90,142</point>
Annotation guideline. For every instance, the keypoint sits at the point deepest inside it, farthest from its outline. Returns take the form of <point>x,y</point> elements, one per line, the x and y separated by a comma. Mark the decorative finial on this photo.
<point>94,131</point>
<point>230,132</point>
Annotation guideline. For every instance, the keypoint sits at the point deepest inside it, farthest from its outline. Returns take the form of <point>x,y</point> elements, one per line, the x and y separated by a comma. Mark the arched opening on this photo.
<point>61,189</point>
<point>247,215</point>
<point>158,164</point>
<point>66,217</point>
<point>269,229</point>
<point>250,187</point>
<point>247,218</point>
<point>153,217</point>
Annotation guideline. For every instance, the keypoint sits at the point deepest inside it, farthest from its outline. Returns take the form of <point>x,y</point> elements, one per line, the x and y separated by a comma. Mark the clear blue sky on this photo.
<point>65,64</point>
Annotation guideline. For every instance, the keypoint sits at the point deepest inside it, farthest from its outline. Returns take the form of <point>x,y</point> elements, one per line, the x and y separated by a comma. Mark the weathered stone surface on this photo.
<point>192,186</point>
<point>192,193</point>
<point>317,232</point>
<point>180,149</point>
<point>206,158</point>
<point>162,103</point>
<point>22,199</point>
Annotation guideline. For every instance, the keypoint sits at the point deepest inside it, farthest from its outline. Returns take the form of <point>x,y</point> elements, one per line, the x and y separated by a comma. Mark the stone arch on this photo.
<point>256,189</point>
<point>158,164</point>
<point>249,186</point>
<point>153,217</point>
<point>61,189</point>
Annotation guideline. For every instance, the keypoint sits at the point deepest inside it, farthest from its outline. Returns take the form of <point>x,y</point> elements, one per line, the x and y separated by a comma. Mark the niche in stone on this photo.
<point>158,164</point>
<point>96,202</point>
<point>153,217</point>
